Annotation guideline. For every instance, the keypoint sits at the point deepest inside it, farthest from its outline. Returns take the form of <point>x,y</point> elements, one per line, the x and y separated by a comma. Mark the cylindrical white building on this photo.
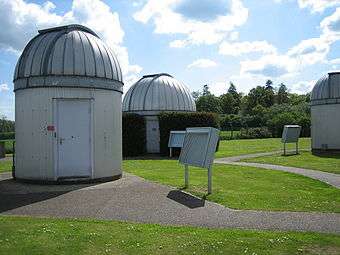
<point>68,89</point>
<point>325,114</point>
<point>154,94</point>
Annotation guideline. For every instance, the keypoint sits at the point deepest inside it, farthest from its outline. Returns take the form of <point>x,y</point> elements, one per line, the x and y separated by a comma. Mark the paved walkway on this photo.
<point>6,158</point>
<point>137,200</point>
<point>329,178</point>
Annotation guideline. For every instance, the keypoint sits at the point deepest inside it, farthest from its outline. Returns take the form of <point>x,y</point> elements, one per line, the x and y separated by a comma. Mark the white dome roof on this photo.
<point>72,56</point>
<point>327,89</point>
<point>158,92</point>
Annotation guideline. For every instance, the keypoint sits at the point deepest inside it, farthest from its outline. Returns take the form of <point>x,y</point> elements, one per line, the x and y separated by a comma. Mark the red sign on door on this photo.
<point>50,128</point>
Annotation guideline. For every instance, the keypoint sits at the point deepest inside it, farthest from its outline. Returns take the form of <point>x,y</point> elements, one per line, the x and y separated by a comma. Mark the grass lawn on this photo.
<point>248,146</point>
<point>8,145</point>
<point>23,235</point>
<point>5,165</point>
<point>307,160</point>
<point>244,187</point>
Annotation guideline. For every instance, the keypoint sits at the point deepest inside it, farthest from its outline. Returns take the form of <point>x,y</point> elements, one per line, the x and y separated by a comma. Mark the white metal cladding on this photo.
<point>325,126</point>
<point>35,145</point>
<point>327,90</point>
<point>72,56</point>
<point>158,92</point>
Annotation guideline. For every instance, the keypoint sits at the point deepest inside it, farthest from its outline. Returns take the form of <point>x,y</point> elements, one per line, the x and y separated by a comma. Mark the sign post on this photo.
<point>291,134</point>
<point>198,150</point>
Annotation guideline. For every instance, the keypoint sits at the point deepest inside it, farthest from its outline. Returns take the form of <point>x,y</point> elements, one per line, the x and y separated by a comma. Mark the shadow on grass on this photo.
<point>186,199</point>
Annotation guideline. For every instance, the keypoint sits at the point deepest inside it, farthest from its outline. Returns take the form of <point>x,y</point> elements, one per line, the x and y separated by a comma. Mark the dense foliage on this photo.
<point>180,121</point>
<point>134,136</point>
<point>7,136</point>
<point>261,113</point>
<point>6,125</point>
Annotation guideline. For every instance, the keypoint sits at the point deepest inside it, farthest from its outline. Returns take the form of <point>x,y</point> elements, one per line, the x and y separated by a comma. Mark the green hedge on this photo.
<point>7,135</point>
<point>180,121</point>
<point>134,136</point>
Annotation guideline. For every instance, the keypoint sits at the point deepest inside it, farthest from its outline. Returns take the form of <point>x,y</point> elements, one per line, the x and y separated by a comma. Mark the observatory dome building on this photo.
<point>68,89</point>
<point>154,94</point>
<point>325,113</point>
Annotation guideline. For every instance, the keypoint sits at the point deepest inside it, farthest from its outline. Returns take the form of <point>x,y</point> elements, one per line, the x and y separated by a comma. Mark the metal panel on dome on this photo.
<point>326,90</point>
<point>158,92</point>
<point>71,50</point>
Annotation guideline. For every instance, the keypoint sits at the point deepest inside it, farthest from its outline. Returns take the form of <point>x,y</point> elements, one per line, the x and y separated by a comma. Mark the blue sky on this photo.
<point>199,42</point>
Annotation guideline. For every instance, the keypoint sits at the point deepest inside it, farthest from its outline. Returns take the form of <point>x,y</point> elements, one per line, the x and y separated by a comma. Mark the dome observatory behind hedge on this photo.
<point>155,94</point>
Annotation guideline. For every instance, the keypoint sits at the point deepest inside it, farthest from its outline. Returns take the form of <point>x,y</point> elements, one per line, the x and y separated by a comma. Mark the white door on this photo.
<point>152,136</point>
<point>74,138</point>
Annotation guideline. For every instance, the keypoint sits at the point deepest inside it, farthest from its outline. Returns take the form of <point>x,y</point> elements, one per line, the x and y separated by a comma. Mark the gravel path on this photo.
<point>329,178</point>
<point>137,200</point>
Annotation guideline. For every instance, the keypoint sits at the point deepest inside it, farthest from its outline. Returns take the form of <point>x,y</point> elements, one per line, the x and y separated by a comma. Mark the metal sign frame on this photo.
<point>198,150</point>
<point>176,143</point>
<point>291,134</point>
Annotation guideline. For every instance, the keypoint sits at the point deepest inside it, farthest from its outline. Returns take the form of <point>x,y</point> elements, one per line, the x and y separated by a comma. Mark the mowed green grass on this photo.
<point>248,146</point>
<point>244,187</point>
<point>8,145</point>
<point>5,165</point>
<point>329,163</point>
<point>24,235</point>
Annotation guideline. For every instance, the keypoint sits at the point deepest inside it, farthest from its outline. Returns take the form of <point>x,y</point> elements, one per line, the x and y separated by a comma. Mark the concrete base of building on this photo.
<point>323,152</point>
<point>71,180</point>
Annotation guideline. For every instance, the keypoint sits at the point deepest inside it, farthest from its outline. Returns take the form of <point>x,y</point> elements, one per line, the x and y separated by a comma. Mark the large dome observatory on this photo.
<point>325,113</point>
<point>68,89</point>
<point>154,94</point>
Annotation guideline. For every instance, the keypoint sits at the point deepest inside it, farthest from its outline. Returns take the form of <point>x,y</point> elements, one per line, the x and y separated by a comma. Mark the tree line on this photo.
<point>268,107</point>
<point>6,125</point>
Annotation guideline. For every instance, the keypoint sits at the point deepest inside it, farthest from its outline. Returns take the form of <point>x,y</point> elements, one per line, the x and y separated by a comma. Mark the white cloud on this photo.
<point>318,5</point>
<point>4,87</point>
<point>302,87</point>
<point>202,63</point>
<point>269,66</point>
<point>179,43</point>
<point>331,26</point>
<point>199,21</point>
<point>307,52</point>
<point>335,61</point>
<point>23,19</point>
<point>240,48</point>
<point>311,51</point>
<point>315,5</point>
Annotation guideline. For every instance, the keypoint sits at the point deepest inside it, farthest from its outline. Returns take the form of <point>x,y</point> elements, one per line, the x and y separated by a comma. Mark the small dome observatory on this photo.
<point>154,94</point>
<point>68,89</point>
<point>325,113</point>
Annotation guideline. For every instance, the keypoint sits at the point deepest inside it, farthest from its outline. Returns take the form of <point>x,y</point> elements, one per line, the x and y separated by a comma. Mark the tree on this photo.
<point>208,103</point>
<point>282,94</point>
<point>196,94</point>
<point>231,101</point>
<point>6,125</point>
<point>269,85</point>
<point>228,104</point>
<point>206,90</point>
<point>269,94</point>
<point>232,90</point>
<point>256,96</point>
